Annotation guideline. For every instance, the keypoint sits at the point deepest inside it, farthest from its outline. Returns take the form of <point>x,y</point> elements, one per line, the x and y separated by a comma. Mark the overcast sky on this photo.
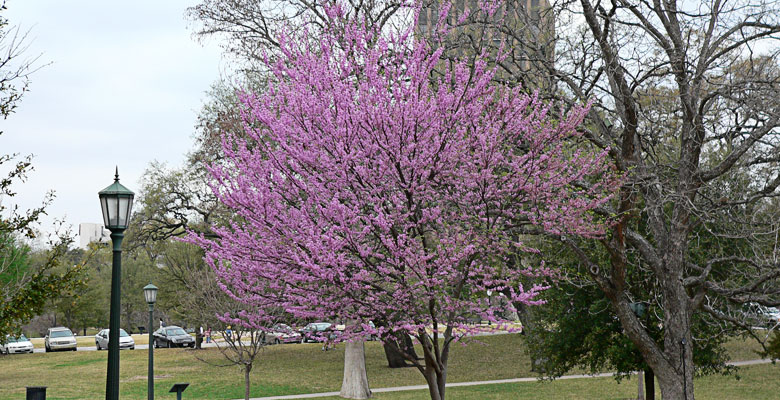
<point>123,87</point>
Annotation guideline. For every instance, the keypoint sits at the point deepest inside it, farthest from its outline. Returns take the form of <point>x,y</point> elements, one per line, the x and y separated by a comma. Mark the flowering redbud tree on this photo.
<point>368,187</point>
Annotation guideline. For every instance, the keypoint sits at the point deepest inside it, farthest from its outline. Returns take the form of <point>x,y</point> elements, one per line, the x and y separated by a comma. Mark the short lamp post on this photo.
<point>150,293</point>
<point>116,201</point>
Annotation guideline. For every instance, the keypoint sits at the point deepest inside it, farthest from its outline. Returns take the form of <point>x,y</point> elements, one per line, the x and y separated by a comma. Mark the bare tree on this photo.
<point>199,299</point>
<point>240,347</point>
<point>253,28</point>
<point>686,95</point>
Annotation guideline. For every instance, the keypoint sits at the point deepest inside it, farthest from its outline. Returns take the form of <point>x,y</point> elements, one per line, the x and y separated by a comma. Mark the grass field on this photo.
<point>292,369</point>
<point>757,382</point>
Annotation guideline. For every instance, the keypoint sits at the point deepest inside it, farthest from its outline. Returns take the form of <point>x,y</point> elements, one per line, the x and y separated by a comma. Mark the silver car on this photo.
<point>59,339</point>
<point>16,344</point>
<point>281,333</point>
<point>125,341</point>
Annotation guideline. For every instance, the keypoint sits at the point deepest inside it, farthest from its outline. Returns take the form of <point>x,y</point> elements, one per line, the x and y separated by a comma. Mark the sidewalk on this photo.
<point>457,384</point>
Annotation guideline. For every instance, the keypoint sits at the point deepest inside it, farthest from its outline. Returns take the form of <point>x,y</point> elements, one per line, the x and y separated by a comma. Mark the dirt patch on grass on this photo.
<point>143,378</point>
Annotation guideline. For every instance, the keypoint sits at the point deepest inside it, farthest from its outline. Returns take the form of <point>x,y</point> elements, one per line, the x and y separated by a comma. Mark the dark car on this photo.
<point>317,332</point>
<point>173,336</point>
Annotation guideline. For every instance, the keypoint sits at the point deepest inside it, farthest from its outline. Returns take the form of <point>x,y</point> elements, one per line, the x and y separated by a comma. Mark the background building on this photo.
<point>89,232</point>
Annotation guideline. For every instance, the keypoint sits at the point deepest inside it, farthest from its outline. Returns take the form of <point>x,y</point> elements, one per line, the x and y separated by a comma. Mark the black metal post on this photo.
<point>151,352</point>
<point>649,384</point>
<point>112,380</point>
<point>36,392</point>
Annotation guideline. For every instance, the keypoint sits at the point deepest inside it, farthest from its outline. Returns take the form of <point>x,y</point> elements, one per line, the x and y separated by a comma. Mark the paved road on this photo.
<point>92,348</point>
<point>425,387</point>
<point>40,349</point>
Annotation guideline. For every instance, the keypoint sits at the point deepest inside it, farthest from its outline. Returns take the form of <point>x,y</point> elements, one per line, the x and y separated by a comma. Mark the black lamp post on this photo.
<point>150,293</point>
<point>116,201</point>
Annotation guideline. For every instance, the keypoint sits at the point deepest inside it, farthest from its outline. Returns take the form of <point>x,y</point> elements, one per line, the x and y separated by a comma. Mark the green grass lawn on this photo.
<point>757,382</point>
<point>296,368</point>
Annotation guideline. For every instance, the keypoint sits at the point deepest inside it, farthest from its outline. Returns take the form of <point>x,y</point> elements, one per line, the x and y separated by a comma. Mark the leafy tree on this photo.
<point>577,328</point>
<point>26,286</point>
<point>366,190</point>
<point>84,305</point>
<point>685,98</point>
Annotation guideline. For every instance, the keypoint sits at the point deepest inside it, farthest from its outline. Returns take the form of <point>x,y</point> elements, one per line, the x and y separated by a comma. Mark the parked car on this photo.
<point>282,333</point>
<point>16,345</point>
<point>173,336</point>
<point>763,315</point>
<point>125,341</point>
<point>59,338</point>
<point>316,332</point>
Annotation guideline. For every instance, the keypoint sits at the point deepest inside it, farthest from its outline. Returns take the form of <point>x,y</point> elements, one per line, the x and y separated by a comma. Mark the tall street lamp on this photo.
<point>116,201</point>
<point>150,293</point>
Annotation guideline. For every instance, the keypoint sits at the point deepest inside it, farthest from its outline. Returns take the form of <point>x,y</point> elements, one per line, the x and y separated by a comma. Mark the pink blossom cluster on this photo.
<point>367,186</point>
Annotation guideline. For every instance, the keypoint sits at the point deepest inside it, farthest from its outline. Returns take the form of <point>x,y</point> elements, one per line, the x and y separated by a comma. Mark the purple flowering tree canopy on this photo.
<point>367,187</point>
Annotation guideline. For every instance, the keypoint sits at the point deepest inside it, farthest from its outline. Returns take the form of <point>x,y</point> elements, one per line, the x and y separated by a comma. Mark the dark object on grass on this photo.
<point>36,392</point>
<point>178,388</point>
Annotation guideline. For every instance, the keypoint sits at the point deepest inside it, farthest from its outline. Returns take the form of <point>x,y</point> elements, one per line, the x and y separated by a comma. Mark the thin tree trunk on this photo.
<point>640,393</point>
<point>435,372</point>
<point>247,370</point>
<point>433,386</point>
<point>436,383</point>
<point>355,382</point>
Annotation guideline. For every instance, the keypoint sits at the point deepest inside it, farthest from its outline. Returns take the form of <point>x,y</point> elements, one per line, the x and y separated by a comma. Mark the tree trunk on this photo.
<point>672,365</point>
<point>640,381</point>
<point>433,387</point>
<point>247,370</point>
<point>435,370</point>
<point>436,382</point>
<point>355,383</point>
<point>678,384</point>
<point>676,380</point>
<point>395,359</point>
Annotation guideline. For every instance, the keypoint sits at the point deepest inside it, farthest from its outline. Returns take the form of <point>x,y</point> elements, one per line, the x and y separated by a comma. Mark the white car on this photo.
<point>125,341</point>
<point>762,316</point>
<point>15,345</point>
<point>769,315</point>
<point>282,333</point>
<point>59,339</point>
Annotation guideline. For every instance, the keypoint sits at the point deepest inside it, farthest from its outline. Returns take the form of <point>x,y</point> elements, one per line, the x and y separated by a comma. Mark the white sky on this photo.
<point>124,86</point>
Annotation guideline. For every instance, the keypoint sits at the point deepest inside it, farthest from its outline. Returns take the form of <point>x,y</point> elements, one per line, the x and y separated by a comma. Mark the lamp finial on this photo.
<point>116,176</point>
